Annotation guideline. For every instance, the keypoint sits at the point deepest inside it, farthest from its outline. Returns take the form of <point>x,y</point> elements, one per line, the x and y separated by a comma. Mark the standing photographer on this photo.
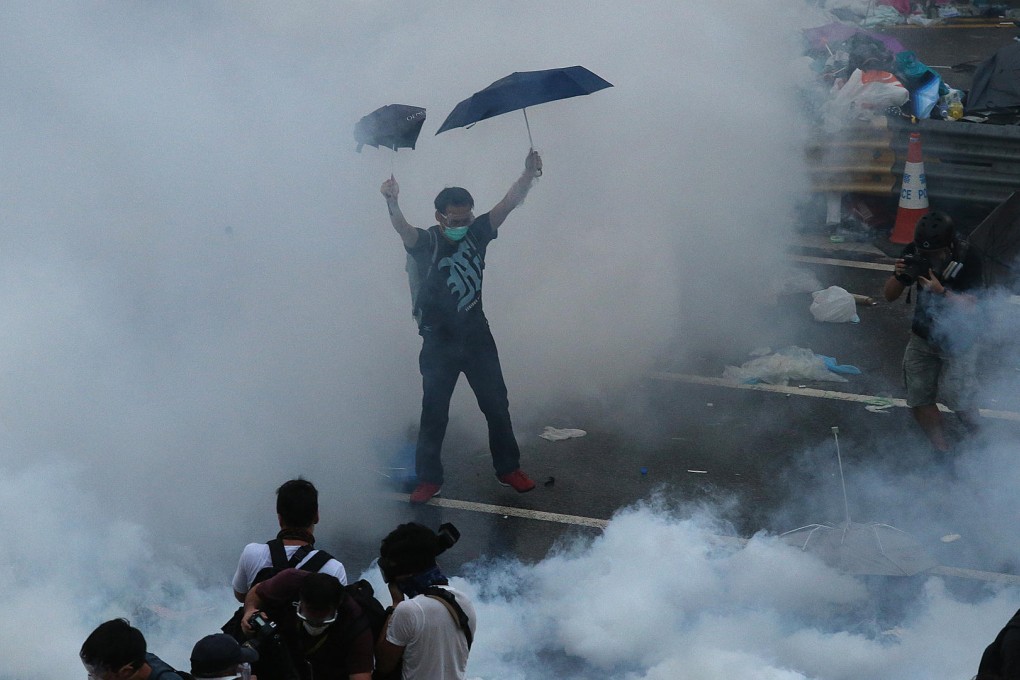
<point>941,356</point>
<point>322,630</point>
<point>431,626</point>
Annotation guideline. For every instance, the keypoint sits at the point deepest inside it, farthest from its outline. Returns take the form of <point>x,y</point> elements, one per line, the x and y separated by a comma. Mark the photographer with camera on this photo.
<point>430,626</point>
<point>941,356</point>
<point>307,622</point>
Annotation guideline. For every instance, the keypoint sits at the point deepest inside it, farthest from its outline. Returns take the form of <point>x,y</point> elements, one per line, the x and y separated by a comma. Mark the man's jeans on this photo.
<point>441,361</point>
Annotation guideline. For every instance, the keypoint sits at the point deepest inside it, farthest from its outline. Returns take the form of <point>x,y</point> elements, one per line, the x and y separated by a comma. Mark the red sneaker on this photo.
<point>423,492</point>
<point>518,480</point>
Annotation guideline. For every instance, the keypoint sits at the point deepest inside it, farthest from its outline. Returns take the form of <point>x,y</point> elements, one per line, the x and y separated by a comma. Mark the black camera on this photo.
<point>275,660</point>
<point>448,536</point>
<point>263,629</point>
<point>413,547</point>
<point>915,265</point>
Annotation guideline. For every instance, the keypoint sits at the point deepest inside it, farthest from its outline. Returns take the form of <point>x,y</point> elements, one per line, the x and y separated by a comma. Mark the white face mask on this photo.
<point>314,631</point>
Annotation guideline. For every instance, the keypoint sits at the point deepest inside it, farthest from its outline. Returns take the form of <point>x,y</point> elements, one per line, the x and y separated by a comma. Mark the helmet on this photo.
<point>934,230</point>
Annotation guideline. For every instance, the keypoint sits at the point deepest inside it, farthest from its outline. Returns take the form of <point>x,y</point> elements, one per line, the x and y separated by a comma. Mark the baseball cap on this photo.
<point>214,653</point>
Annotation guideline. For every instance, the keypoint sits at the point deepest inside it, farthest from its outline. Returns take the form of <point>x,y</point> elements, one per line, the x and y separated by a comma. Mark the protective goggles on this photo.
<point>311,621</point>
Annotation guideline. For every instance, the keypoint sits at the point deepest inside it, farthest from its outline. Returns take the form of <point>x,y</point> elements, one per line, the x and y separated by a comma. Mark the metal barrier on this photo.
<point>858,161</point>
<point>970,163</point>
<point>967,162</point>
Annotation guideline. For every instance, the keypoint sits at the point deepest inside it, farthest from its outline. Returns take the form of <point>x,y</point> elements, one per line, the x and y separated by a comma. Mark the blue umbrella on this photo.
<point>523,89</point>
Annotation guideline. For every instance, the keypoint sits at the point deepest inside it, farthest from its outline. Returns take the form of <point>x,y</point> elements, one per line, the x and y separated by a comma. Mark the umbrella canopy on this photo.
<point>394,126</point>
<point>996,84</point>
<point>997,240</point>
<point>855,548</point>
<point>837,32</point>
<point>863,548</point>
<point>522,89</point>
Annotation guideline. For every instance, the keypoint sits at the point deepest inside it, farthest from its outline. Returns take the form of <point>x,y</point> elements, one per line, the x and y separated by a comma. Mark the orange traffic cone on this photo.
<point>913,193</point>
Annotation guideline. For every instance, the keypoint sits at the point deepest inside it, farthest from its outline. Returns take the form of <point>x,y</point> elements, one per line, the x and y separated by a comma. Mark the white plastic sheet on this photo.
<point>789,363</point>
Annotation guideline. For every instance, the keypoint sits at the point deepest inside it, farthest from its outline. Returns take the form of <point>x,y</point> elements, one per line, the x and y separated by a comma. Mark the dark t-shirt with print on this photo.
<point>449,278</point>
<point>930,308</point>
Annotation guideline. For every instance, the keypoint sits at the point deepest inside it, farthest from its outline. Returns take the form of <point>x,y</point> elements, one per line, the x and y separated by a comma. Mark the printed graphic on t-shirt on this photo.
<point>464,274</point>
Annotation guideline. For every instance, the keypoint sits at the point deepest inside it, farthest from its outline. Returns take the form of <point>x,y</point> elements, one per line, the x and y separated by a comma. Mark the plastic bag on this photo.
<point>925,85</point>
<point>865,94</point>
<point>789,363</point>
<point>926,96</point>
<point>834,305</point>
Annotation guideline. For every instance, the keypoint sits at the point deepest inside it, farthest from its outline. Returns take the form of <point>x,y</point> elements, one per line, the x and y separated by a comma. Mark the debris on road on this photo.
<point>554,434</point>
<point>789,363</point>
<point>834,305</point>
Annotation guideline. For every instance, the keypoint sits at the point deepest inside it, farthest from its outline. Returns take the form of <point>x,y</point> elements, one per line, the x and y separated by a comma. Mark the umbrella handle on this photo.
<point>531,144</point>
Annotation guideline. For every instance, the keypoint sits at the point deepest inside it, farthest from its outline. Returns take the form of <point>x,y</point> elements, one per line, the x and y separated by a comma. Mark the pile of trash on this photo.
<point>864,74</point>
<point>870,13</point>
<point>870,74</point>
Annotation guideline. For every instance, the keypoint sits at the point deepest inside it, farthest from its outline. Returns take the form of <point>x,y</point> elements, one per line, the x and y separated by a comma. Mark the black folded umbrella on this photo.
<point>522,89</point>
<point>394,126</point>
<point>997,240</point>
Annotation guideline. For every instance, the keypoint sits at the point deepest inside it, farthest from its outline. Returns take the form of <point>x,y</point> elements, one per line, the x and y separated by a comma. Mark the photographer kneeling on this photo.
<point>941,356</point>
<point>308,619</point>
<point>430,626</point>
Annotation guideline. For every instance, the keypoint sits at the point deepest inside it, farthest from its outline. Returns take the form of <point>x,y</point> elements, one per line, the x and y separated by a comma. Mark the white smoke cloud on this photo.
<point>202,296</point>
<point>659,595</point>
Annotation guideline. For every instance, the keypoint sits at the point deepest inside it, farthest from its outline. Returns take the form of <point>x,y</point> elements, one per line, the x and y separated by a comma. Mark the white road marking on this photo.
<point>524,513</point>
<point>812,392</point>
<point>809,259</point>
<point>577,520</point>
<point>843,263</point>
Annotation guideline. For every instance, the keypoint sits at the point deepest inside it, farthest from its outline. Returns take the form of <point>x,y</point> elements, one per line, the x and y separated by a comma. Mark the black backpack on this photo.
<point>995,654</point>
<point>278,555</point>
<point>160,674</point>
<point>373,617</point>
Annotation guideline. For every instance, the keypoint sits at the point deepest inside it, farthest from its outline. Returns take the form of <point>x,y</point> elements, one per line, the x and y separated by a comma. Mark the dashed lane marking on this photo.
<point>513,512</point>
<point>876,266</point>
<point>812,392</point>
<point>843,263</point>
<point>578,520</point>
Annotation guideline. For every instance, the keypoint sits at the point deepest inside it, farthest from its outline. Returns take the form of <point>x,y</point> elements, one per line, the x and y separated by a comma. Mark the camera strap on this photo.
<point>456,611</point>
<point>318,643</point>
<point>278,554</point>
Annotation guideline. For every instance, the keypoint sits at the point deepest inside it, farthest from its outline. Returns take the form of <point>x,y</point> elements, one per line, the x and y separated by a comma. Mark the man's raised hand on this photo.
<point>533,164</point>
<point>390,189</point>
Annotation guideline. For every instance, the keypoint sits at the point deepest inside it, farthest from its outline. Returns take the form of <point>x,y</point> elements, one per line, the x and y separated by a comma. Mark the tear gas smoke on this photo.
<point>202,297</point>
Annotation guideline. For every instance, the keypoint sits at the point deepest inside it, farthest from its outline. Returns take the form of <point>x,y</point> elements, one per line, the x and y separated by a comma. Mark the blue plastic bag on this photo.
<point>925,85</point>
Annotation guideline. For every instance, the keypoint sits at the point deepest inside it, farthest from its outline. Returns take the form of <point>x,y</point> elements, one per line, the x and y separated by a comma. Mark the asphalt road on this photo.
<point>684,435</point>
<point>687,435</point>
<point>953,50</point>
